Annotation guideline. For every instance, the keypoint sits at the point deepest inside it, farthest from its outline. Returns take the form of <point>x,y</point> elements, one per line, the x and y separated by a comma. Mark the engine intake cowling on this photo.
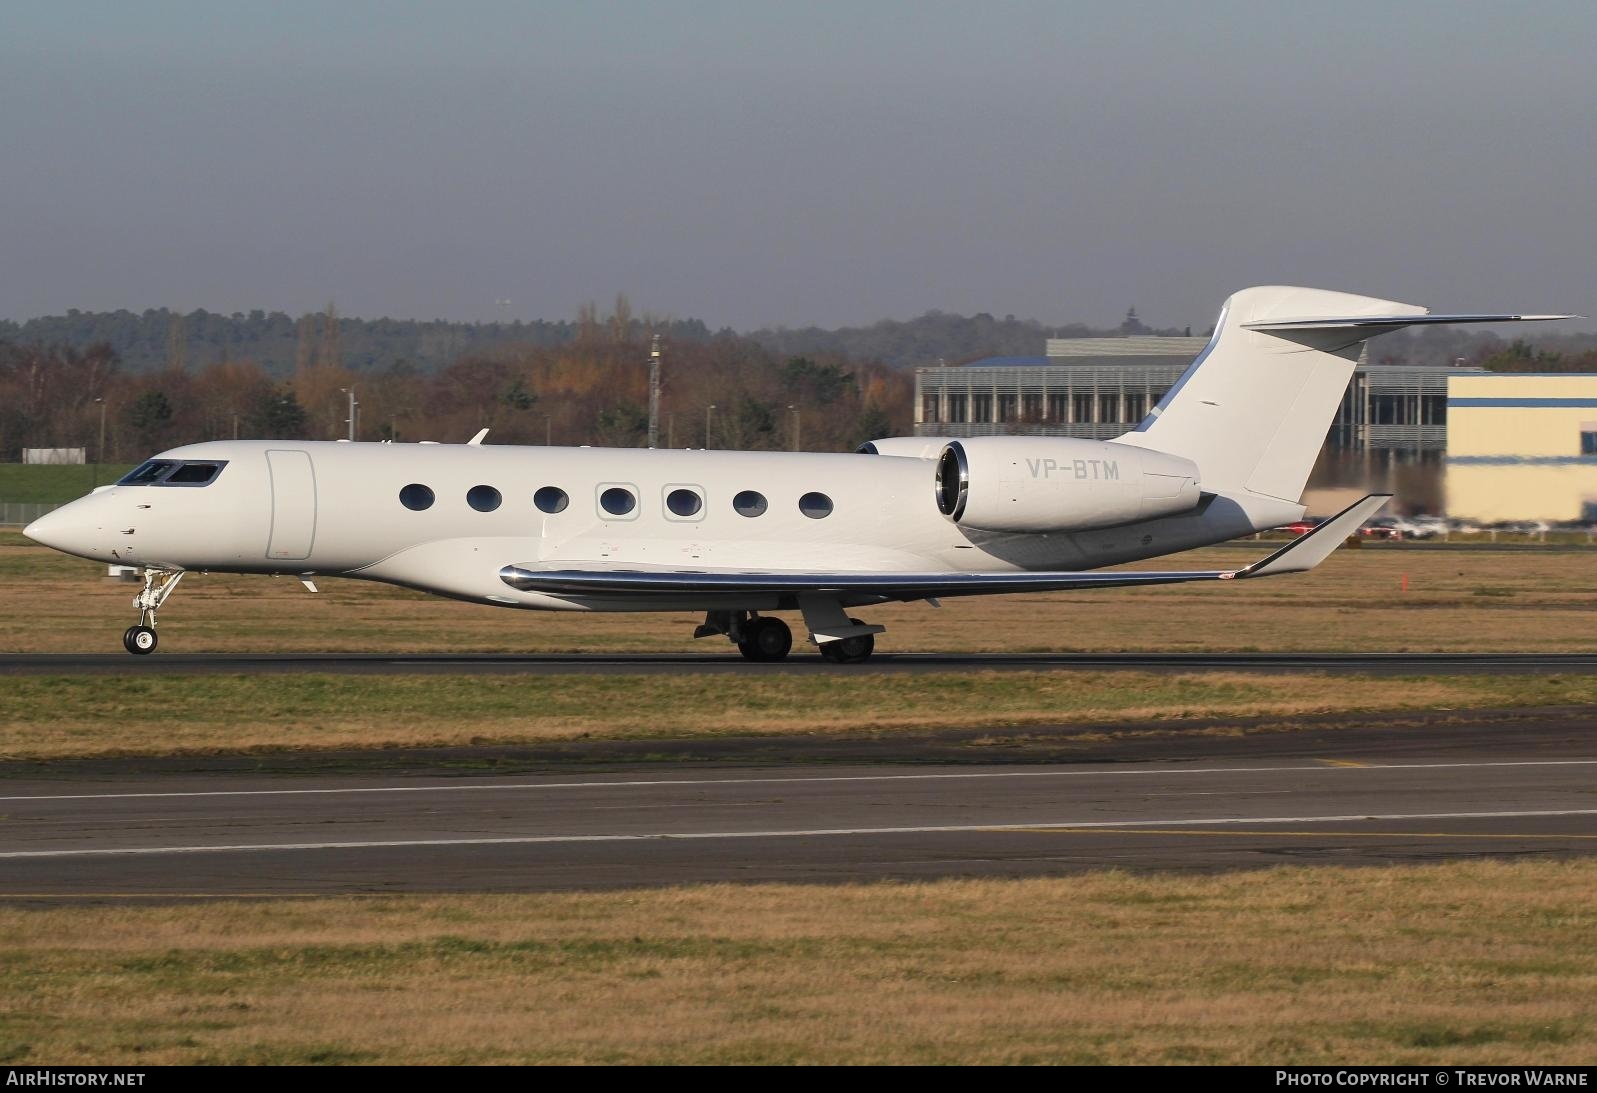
<point>1039,484</point>
<point>911,447</point>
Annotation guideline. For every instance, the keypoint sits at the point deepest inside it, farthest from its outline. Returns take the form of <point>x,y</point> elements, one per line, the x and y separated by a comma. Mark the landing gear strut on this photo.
<point>140,638</point>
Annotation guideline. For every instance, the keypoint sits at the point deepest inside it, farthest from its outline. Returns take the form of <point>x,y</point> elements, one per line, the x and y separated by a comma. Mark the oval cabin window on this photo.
<point>551,499</point>
<point>816,506</point>
<point>617,501</point>
<point>416,497</point>
<point>483,498</point>
<point>750,504</point>
<point>683,503</point>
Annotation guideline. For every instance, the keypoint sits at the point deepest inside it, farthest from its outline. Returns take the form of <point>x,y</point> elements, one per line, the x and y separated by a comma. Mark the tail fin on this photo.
<point>1253,409</point>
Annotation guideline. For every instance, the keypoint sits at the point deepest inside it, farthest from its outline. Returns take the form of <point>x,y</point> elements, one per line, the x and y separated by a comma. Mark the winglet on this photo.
<point>478,439</point>
<point>1310,549</point>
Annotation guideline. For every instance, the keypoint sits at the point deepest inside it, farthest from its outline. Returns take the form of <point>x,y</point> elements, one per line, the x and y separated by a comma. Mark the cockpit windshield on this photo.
<point>192,474</point>
<point>170,472</point>
<point>145,474</point>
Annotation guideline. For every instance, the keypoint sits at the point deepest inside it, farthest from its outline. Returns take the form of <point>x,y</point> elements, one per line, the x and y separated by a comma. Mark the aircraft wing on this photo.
<point>1303,553</point>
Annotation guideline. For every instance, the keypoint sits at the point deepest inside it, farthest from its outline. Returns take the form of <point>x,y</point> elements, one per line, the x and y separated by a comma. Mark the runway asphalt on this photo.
<point>1359,795</point>
<point>730,661</point>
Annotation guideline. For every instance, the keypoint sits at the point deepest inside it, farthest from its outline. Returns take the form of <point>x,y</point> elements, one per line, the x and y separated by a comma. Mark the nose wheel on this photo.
<point>140,638</point>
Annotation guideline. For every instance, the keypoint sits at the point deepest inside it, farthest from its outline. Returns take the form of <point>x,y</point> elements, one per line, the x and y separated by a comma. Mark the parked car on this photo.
<point>1428,527</point>
<point>1401,527</point>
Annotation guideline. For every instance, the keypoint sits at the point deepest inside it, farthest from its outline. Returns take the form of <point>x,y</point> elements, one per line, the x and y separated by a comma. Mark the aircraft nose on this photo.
<point>45,530</point>
<point>59,530</point>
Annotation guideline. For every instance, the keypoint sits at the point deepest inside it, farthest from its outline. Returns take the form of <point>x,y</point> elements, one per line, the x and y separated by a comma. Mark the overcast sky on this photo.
<point>750,163</point>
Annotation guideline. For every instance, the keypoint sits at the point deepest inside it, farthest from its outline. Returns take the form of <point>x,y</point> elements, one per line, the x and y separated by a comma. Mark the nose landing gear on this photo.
<point>140,638</point>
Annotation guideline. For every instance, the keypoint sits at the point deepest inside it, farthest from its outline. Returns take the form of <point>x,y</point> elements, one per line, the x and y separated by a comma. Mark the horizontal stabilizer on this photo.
<point>1303,553</point>
<point>1381,324</point>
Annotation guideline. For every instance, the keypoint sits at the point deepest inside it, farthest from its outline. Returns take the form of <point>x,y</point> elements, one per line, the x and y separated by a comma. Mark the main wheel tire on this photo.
<point>766,639</point>
<point>850,650</point>
<point>139,640</point>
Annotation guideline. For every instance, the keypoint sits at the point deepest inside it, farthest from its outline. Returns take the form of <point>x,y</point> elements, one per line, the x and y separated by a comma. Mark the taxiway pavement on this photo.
<point>1521,787</point>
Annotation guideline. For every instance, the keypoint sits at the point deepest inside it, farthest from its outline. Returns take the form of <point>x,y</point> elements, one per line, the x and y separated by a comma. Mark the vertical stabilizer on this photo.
<point>1253,409</point>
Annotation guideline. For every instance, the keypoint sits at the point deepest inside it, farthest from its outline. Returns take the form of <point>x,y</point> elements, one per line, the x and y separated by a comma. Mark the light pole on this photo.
<point>708,411</point>
<point>353,407</point>
<point>654,393</point>
<point>794,410</point>
<point>99,456</point>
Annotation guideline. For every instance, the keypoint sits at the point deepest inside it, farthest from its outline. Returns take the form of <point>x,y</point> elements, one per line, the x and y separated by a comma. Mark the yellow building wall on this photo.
<point>1523,492</point>
<point>1514,446</point>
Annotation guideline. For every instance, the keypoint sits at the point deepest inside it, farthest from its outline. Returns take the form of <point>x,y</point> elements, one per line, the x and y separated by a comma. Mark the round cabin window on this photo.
<point>416,497</point>
<point>551,499</point>
<point>617,501</point>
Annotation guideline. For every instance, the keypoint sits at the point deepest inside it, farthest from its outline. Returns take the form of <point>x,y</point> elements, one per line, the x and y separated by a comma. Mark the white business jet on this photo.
<point>739,535</point>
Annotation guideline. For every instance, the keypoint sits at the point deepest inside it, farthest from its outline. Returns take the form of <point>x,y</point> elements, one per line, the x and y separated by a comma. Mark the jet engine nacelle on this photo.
<point>1036,484</point>
<point>912,447</point>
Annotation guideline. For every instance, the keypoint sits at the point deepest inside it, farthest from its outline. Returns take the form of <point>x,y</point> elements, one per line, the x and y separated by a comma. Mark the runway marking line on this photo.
<point>1343,763</point>
<point>696,836</point>
<point>6,897</point>
<point>1306,834</point>
<point>654,783</point>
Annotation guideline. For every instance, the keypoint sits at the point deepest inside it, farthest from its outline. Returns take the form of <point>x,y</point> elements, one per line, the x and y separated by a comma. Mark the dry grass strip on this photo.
<point>1465,963</point>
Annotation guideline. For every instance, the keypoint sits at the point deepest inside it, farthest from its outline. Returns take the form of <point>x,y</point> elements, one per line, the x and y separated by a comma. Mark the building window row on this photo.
<point>1037,406</point>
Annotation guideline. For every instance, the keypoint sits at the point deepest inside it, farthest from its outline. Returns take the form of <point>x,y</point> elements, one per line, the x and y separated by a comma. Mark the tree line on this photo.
<point>724,390</point>
<point>283,345</point>
<point>158,339</point>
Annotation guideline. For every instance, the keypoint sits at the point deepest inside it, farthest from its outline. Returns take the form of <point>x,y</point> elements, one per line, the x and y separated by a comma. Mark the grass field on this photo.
<point>41,485</point>
<point>1468,963</point>
<point>81,716</point>
<point>1359,600</point>
<point>1370,599</point>
<point>1465,963</point>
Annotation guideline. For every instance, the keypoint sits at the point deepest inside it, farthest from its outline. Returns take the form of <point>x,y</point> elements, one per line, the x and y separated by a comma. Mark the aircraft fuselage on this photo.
<point>335,508</point>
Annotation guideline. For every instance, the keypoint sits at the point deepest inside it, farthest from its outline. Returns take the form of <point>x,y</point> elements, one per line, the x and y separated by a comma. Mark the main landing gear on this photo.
<point>842,640</point>
<point>140,638</point>
<point>765,638</point>
<point>850,650</point>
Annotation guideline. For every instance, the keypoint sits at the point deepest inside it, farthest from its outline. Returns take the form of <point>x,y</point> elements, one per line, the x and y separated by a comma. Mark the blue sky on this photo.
<point>757,163</point>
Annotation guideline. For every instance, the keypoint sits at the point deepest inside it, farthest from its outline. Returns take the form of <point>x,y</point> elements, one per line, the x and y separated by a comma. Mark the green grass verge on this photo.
<point>1467,963</point>
<point>45,485</point>
<point>50,716</point>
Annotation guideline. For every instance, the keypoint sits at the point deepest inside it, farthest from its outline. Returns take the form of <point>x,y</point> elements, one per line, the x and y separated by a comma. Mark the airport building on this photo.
<point>1100,387</point>
<point>1522,446</point>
